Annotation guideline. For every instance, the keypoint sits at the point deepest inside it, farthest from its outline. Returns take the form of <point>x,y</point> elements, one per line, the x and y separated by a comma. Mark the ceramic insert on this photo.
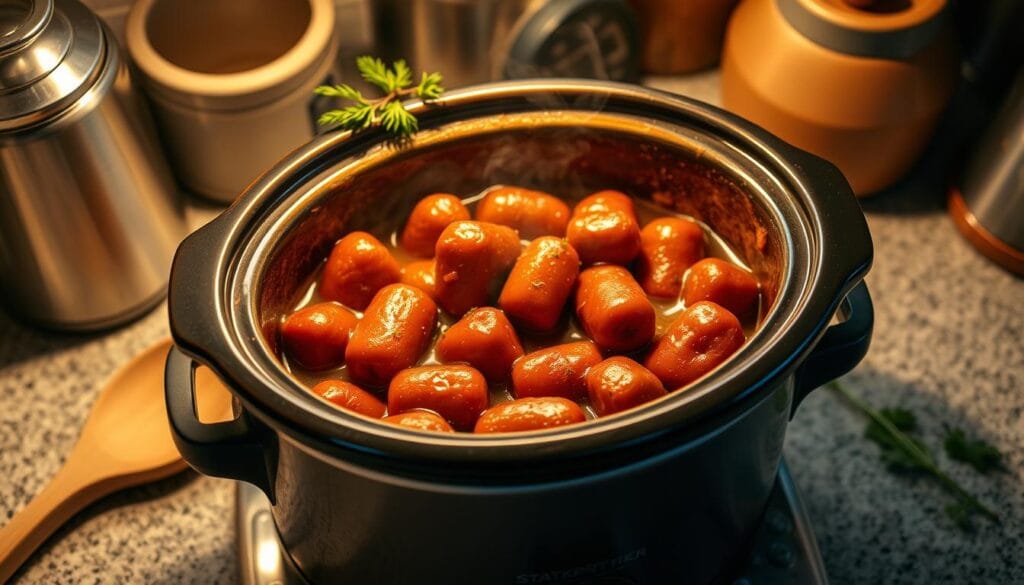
<point>223,36</point>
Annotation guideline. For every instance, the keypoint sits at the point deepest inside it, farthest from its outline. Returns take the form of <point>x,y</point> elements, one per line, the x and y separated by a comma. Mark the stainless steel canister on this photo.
<point>89,213</point>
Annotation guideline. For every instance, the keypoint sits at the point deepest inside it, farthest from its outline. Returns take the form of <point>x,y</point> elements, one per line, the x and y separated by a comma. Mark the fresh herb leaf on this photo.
<point>900,450</point>
<point>977,453</point>
<point>430,86</point>
<point>374,71</point>
<point>895,458</point>
<point>386,111</point>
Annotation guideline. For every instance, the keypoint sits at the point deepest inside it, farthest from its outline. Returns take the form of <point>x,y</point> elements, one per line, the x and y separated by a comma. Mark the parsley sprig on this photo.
<point>386,111</point>
<point>889,429</point>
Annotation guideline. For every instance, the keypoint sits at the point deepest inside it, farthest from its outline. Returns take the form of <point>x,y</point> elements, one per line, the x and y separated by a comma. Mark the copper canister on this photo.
<point>862,88</point>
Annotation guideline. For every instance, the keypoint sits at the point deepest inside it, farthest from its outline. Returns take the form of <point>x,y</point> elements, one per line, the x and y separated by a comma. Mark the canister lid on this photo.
<point>884,29</point>
<point>50,52</point>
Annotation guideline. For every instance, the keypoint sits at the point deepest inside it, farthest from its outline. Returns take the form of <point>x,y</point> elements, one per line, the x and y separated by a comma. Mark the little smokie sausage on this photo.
<point>316,336</point>
<point>421,420</point>
<point>668,246</point>
<point>612,237</point>
<point>619,383</point>
<point>540,283</point>
<point>428,219</point>
<point>457,393</point>
<point>484,339</point>
<point>531,213</point>
<point>358,267</point>
<point>351,397</point>
<point>603,201</point>
<point>613,310</point>
<point>702,337</point>
<point>471,259</point>
<point>560,370</point>
<point>529,414</point>
<point>394,331</point>
<point>421,275</point>
<point>723,283</point>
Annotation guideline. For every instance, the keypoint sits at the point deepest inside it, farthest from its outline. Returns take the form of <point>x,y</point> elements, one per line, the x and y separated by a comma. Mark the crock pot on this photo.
<point>667,492</point>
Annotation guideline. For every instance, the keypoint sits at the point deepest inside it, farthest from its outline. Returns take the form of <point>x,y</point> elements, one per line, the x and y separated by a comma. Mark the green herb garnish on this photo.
<point>888,428</point>
<point>980,455</point>
<point>386,111</point>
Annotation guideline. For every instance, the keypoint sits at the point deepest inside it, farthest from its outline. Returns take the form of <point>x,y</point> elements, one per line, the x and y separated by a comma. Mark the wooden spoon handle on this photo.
<point>72,489</point>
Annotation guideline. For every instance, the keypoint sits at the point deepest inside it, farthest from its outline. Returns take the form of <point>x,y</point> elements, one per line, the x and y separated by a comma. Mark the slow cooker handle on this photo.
<point>230,449</point>
<point>841,348</point>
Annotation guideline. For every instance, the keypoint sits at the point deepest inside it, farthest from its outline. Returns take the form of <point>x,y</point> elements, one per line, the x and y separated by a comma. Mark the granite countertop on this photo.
<point>947,346</point>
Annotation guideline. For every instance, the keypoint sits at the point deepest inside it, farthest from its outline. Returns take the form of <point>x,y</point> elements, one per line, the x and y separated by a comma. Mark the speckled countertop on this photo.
<point>948,345</point>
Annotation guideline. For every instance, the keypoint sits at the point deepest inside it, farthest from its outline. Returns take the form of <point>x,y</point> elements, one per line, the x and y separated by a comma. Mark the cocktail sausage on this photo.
<point>668,246</point>
<point>613,310</point>
<point>531,213</point>
<point>457,393</point>
<point>428,219</point>
<point>316,336</point>
<point>358,267</point>
<point>702,337</point>
<point>421,420</point>
<point>619,383</point>
<point>555,371</point>
<point>540,283</point>
<point>472,258</point>
<point>529,414</point>
<point>484,339</point>
<point>393,333</point>
<point>723,283</point>
<point>351,397</point>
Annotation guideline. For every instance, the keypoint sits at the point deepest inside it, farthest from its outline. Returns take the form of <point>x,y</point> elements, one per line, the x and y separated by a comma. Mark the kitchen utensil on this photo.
<point>231,83</point>
<point>679,37</point>
<point>784,551</point>
<point>89,213</point>
<point>486,40</point>
<point>125,442</point>
<point>668,492</point>
<point>862,88</point>
<point>988,205</point>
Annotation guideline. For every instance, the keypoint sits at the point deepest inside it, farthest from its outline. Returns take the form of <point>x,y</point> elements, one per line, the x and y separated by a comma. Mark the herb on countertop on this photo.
<point>901,452</point>
<point>386,111</point>
<point>980,455</point>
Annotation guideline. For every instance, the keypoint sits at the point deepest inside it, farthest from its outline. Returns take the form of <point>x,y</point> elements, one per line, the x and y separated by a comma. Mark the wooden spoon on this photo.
<point>126,441</point>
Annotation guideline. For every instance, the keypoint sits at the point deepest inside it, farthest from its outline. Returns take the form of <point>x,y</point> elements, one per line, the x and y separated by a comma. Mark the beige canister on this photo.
<point>231,83</point>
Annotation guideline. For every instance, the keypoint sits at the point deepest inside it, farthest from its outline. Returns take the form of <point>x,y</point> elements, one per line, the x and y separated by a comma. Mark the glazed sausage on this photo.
<point>702,337</point>
<point>316,337</point>
<point>428,219</point>
<point>723,283</point>
<point>421,420</point>
<point>358,267</point>
<point>559,370</point>
<point>540,283</point>
<point>612,237</point>
<point>484,339</point>
<point>394,331</point>
<point>613,310</point>
<point>421,275</point>
<point>529,414</point>
<point>668,246</point>
<point>350,397</point>
<point>604,201</point>
<point>457,393</point>
<point>472,258</point>
<point>619,383</point>
<point>531,213</point>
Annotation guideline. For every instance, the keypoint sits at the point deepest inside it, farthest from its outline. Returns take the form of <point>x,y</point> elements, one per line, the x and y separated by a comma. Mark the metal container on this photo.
<point>231,83</point>
<point>988,205</point>
<point>669,492</point>
<point>89,213</point>
<point>474,41</point>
